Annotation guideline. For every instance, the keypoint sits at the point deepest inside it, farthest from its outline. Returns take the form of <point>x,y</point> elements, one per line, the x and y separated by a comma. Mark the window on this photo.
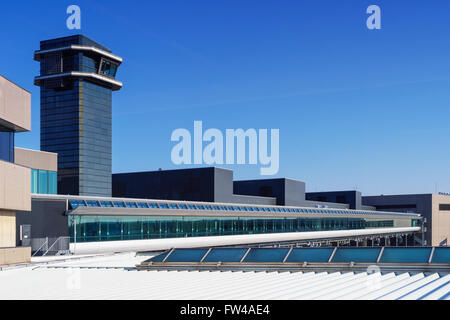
<point>77,203</point>
<point>131,205</point>
<point>52,182</point>
<point>106,204</point>
<point>34,180</point>
<point>108,68</point>
<point>142,205</point>
<point>444,207</point>
<point>43,181</point>
<point>119,204</point>
<point>92,203</point>
<point>6,146</point>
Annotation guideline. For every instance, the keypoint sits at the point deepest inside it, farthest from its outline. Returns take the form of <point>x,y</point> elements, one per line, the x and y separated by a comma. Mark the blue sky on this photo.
<point>356,108</point>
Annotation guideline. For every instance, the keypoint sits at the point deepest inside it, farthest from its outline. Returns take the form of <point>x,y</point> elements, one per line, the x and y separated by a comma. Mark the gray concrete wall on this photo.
<point>223,190</point>
<point>294,192</point>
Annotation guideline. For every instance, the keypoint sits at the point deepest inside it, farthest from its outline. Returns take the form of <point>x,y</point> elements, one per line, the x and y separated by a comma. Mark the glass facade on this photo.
<point>6,145</point>
<point>73,204</point>
<point>90,228</point>
<point>43,182</point>
<point>76,119</point>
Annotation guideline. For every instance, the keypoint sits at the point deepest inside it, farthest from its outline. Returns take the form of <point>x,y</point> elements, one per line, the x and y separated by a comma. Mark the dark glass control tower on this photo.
<point>77,79</point>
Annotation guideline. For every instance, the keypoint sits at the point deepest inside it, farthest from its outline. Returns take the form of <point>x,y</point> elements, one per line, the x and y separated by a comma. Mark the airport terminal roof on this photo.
<point>115,277</point>
<point>84,205</point>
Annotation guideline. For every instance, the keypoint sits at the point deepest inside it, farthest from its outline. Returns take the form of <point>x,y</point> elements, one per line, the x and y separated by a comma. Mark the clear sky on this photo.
<point>356,108</point>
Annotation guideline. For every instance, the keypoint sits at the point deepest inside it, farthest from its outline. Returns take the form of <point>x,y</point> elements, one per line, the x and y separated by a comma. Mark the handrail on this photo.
<point>57,240</point>
<point>46,242</point>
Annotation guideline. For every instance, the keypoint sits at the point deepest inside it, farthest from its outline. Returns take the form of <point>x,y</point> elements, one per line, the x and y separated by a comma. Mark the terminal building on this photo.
<point>22,172</point>
<point>74,196</point>
<point>204,207</point>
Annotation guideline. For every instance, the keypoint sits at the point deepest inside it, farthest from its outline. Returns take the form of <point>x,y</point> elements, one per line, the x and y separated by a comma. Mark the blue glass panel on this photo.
<point>77,203</point>
<point>187,255</point>
<point>225,255</point>
<point>7,146</point>
<point>52,182</point>
<point>34,181</point>
<point>406,255</point>
<point>158,258</point>
<point>119,204</point>
<point>356,255</point>
<point>191,206</point>
<point>173,206</point>
<point>163,206</point>
<point>43,182</point>
<point>310,255</point>
<point>92,203</point>
<point>153,205</point>
<point>441,255</point>
<point>107,204</point>
<point>266,255</point>
<point>131,205</point>
<point>142,205</point>
<point>182,206</point>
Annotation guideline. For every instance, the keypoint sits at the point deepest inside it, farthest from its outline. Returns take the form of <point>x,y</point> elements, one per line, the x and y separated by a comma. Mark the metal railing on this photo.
<point>50,246</point>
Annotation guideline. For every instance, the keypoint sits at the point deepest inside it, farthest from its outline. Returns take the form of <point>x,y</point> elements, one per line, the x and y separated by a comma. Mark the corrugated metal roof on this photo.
<point>108,277</point>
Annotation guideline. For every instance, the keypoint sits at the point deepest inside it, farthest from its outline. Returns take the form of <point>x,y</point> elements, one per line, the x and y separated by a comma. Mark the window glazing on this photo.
<point>6,146</point>
<point>111,228</point>
<point>43,182</point>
